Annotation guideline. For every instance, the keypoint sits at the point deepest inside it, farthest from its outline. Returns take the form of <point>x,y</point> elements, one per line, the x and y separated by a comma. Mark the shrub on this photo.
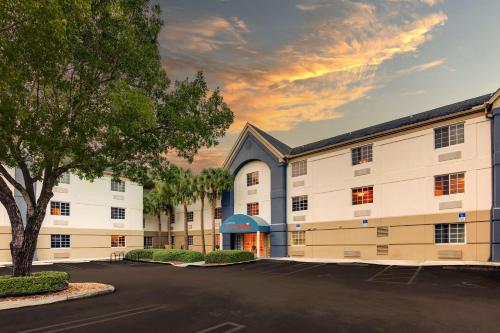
<point>228,256</point>
<point>140,254</point>
<point>177,255</point>
<point>35,283</point>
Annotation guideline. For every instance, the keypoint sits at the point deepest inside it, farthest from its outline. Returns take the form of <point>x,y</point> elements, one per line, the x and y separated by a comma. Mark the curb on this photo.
<point>55,299</point>
<point>194,264</point>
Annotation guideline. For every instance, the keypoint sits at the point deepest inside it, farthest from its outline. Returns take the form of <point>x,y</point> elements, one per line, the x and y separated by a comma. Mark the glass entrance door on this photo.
<point>238,241</point>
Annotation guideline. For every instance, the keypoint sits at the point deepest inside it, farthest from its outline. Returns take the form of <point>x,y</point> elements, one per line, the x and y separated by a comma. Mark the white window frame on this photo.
<point>119,209</point>
<point>64,178</point>
<point>299,168</point>
<point>60,241</point>
<point>258,208</point>
<point>298,238</point>
<point>117,185</point>
<point>449,233</point>
<point>118,247</point>
<point>251,178</point>
<point>449,175</point>
<point>190,214</point>
<point>149,238</point>
<point>449,128</point>
<point>61,209</point>
<point>302,203</point>
<point>364,151</point>
<point>190,240</point>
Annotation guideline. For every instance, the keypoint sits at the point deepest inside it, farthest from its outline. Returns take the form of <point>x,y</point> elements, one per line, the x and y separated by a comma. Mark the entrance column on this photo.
<point>258,244</point>
<point>220,242</point>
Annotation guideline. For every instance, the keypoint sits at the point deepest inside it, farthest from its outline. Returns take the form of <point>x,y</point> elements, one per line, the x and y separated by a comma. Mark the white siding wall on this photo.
<point>91,204</point>
<point>402,172</point>
<point>263,190</point>
<point>152,224</point>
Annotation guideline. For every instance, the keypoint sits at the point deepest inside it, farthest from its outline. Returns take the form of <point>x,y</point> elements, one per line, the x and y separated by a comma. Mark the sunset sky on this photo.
<point>307,70</point>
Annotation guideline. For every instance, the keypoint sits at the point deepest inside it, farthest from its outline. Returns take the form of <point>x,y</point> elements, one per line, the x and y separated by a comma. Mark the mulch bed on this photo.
<point>73,289</point>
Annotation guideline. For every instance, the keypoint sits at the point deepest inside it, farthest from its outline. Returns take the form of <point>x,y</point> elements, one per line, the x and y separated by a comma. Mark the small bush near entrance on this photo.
<point>140,254</point>
<point>177,255</point>
<point>228,256</point>
<point>36,283</point>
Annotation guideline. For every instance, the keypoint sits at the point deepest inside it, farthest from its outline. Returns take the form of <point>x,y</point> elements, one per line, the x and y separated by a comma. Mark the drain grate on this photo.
<point>396,275</point>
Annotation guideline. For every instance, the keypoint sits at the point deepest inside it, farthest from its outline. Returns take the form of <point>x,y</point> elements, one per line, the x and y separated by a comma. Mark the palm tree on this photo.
<point>184,187</point>
<point>201,190</point>
<point>169,201</point>
<point>218,181</point>
<point>153,206</point>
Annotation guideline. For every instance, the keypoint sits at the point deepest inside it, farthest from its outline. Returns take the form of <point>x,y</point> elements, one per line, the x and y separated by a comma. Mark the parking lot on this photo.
<point>270,296</point>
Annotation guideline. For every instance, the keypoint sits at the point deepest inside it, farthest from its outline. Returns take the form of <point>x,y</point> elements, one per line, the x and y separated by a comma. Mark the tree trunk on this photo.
<point>186,243</point>
<point>169,228</point>
<point>202,225</point>
<point>159,230</point>
<point>213,204</point>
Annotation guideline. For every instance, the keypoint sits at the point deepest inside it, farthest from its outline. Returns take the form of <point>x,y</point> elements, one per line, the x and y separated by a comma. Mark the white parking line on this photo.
<point>303,269</point>
<point>415,275</point>
<point>379,273</point>
<point>234,328</point>
<point>95,319</point>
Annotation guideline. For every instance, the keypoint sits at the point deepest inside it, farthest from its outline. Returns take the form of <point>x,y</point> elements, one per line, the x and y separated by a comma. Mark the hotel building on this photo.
<point>423,187</point>
<point>85,220</point>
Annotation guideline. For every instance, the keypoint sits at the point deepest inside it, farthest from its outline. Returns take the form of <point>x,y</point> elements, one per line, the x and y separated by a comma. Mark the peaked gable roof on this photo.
<point>282,147</point>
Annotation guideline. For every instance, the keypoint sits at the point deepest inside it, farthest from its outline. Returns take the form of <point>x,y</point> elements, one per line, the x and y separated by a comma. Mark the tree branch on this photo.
<point>19,187</point>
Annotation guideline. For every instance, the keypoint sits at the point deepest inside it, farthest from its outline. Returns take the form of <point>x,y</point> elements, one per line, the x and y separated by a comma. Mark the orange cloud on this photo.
<point>333,62</point>
<point>206,158</point>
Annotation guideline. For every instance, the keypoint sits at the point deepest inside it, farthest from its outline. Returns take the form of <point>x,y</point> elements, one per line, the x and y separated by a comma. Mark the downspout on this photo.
<point>488,115</point>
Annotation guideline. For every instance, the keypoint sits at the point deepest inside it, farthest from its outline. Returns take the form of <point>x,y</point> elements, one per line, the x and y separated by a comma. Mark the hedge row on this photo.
<point>140,254</point>
<point>177,255</point>
<point>228,256</point>
<point>35,283</point>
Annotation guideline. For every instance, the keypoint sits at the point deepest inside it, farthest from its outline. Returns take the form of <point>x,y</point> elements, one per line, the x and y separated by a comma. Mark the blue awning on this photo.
<point>241,223</point>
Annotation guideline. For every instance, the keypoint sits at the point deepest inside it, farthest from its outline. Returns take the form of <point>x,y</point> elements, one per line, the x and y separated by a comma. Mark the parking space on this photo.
<point>270,296</point>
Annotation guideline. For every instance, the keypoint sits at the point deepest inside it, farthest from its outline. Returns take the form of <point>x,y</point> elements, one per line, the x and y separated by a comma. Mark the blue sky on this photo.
<point>309,69</point>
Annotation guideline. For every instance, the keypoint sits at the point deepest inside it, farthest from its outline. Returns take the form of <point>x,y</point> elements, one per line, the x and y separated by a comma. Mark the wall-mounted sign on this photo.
<point>462,216</point>
<point>365,223</point>
<point>297,226</point>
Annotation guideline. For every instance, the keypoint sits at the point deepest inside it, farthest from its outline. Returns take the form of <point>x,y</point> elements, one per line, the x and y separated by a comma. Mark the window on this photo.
<point>117,186</point>
<point>361,155</point>
<point>448,135</point>
<point>299,168</point>
<point>148,242</point>
<point>252,178</point>
<point>189,217</point>
<point>172,240</point>
<point>117,241</point>
<point>59,208</point>
<point>449,184</point>
<point>298,238</point>
<point>172,218</point>
<point>190,240</point>
<point>63,179</point>
<point>452,233</point>
<point>218,213</point>
<point>362,195</point>
<point>253,208</point>
<point>299,203</point>
<point>117,213</point>
<point>60,241</point>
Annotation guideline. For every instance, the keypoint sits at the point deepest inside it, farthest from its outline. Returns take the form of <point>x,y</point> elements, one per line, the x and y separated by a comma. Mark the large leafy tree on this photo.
<point>217,181</point>
<point>82,89</point>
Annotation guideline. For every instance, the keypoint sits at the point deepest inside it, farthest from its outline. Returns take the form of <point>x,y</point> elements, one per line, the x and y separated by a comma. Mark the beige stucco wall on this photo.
<point>409,238</point>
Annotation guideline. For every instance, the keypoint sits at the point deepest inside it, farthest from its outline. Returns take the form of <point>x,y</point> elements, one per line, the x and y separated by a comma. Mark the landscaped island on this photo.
<point>188,256</point>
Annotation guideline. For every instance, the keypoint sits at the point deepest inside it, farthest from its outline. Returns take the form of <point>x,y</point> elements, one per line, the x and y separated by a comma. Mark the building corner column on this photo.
<point>495,211</point>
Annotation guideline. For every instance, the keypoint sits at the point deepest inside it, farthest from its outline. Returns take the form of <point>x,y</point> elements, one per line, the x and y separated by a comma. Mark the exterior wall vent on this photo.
<point>298,183</point>
<point>59,189</point>
<point>450,156</point>
<point>118,197</point>
<point>299,218</point>
<point>252,191</point>
<point>60,222</point>
<point>362,172</point>
<point>364,212</point>
<point>118,225</point>
<point>352,254</point>
<point>382,231</point>
<point>297,252</point>
<point>382,250</point>
<point>450,205</point>
<point>61,255</point>
<point>450,254</point>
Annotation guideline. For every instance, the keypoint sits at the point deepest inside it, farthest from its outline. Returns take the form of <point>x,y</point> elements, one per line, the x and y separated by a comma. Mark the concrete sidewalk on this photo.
<point>392,262</point>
